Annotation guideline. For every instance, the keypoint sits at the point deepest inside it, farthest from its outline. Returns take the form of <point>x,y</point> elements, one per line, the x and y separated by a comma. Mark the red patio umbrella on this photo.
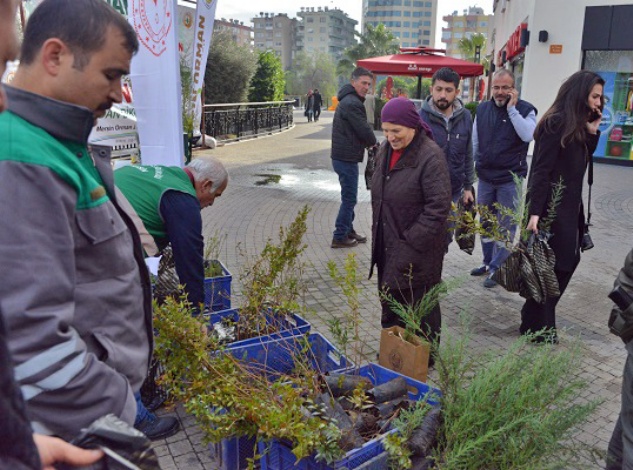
<point>419,62</point>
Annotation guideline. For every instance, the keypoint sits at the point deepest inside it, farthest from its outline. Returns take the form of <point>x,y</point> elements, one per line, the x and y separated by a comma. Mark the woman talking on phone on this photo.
<point>565,139</point>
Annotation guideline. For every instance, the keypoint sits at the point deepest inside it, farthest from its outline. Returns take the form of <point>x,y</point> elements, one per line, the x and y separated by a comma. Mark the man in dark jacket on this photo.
<point>620,451</point>
<point>504,127</point>
<point>351,134</point>
<point>451,124</point>
<point>318,102</point>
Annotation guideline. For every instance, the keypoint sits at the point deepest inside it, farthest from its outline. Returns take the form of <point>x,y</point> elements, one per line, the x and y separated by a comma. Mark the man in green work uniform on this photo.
<point>74,290</point>
<point>168,200</point>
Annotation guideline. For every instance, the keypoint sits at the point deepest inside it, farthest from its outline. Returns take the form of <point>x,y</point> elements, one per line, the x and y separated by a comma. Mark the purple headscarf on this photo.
<point>402,111</point>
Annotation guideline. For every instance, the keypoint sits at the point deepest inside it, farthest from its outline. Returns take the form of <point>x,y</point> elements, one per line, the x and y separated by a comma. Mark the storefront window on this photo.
<point>616,68</point>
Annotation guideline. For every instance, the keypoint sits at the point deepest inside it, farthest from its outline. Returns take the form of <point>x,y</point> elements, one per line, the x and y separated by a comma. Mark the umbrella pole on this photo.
<point>419,87</point>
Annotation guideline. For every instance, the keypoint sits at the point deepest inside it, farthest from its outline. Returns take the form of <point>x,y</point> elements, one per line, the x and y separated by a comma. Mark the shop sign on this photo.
<point>514,47</point>
<point>556,49</point>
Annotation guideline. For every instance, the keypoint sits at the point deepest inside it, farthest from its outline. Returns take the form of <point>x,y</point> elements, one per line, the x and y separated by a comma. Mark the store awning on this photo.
<point>419,62</point>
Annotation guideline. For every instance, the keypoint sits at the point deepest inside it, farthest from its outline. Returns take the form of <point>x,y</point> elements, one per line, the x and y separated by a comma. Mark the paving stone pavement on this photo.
<point>254,206</point>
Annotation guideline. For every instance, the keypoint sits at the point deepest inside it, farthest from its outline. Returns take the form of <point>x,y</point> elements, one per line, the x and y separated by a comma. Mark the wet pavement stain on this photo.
<point>267,179</point>
<point>297,181</point>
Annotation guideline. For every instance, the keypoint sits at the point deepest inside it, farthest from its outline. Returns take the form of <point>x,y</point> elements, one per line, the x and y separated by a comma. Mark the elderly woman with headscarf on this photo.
<point>411,200</point>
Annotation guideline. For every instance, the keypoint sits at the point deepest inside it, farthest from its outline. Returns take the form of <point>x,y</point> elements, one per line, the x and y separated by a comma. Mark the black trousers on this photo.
<point>620,451</point>
<point>535,316</point>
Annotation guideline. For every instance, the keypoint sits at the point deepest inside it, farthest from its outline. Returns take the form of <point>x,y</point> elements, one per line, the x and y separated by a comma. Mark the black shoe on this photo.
<point>158,428</point>
<point>357,237</point>
<point>480,271</point>
<point>489,283</point>
<point>346,243</point>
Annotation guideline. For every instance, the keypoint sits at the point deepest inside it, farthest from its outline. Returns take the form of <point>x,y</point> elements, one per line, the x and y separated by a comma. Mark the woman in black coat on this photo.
<point>411,199</point>
<point>565,140</point>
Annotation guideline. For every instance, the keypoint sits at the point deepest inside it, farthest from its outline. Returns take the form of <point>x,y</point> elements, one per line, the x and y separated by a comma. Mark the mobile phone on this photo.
<point>594,116</point>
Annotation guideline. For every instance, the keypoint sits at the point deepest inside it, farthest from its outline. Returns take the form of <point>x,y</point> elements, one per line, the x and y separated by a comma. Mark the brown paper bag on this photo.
<point>411,360</point>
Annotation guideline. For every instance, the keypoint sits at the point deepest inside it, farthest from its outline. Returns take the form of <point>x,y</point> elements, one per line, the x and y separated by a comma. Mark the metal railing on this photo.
<point>229,122</point>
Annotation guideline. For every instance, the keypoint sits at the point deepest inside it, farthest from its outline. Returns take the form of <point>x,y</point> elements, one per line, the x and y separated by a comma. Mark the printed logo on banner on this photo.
<point>152,22</point>
<point>208,3</point>
<point>187,20</point>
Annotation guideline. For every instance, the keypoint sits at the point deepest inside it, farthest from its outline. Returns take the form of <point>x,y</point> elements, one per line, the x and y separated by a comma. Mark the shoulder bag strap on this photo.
<point>590,182</point>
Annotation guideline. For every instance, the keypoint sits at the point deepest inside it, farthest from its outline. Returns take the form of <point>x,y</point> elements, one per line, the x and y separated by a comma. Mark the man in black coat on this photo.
<point>318,102</point>
<point>351,134</point>
<point>620,451</point>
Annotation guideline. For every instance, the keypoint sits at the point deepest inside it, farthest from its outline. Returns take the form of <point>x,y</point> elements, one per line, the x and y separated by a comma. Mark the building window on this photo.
<point>426,23</point>
<point>428,4</point>
<point>427,13</point>
<point>310,20</point>
<point>406,34</point>
<point>278,34</point>
<point>483,24</point>
<point>406,24</point>
<point>396,34</point>
<point>405,44</point>
<point>407,3</point>
<point>323,29</point>
<point>407,13</point>
<point>426,32</point>
<point>417,3</point>
<point>323,19</point>
<point>417,14</point>
<point>458,24</point>
<point>459,35</point>
<point>426,42</point>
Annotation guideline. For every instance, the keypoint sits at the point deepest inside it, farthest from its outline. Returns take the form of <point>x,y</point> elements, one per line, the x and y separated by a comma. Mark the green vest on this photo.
<point>25,143</point>
<point>144,186</point>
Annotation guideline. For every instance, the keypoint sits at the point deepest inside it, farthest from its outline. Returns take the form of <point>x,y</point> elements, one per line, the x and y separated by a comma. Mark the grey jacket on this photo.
<point>74,290</point>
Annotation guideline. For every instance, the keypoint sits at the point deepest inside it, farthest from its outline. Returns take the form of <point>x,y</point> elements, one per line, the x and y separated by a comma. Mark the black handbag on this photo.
<point>529,270</point>
<point>465,239</point>
<point>371,165</point>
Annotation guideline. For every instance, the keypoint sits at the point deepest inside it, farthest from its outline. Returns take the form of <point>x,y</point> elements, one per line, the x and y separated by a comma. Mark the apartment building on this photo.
<point>411,21</point>
<point>276,32</point>
<point>470,21</point>
<point>324,29</point>
<point>241,34</point>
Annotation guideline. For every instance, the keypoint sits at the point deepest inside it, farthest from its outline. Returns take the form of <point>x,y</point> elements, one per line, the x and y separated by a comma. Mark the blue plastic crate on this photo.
<point>232,454</point>
<point>276,356</point>
<point>286,325</point>
<point>217,290</point>
<point>277,455</point>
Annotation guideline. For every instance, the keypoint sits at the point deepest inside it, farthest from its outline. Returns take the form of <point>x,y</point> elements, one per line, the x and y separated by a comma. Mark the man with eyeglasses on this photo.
<point>503,129</point>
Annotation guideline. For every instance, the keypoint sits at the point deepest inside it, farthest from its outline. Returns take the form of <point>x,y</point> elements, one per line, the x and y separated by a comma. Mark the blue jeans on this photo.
<point>348,178</point>
<point>495,253</point>
<point>142,413</point>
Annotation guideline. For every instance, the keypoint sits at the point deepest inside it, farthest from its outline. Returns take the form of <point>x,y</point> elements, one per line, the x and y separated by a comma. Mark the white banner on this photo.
<point>156,82</point>
<point>205,16</point>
